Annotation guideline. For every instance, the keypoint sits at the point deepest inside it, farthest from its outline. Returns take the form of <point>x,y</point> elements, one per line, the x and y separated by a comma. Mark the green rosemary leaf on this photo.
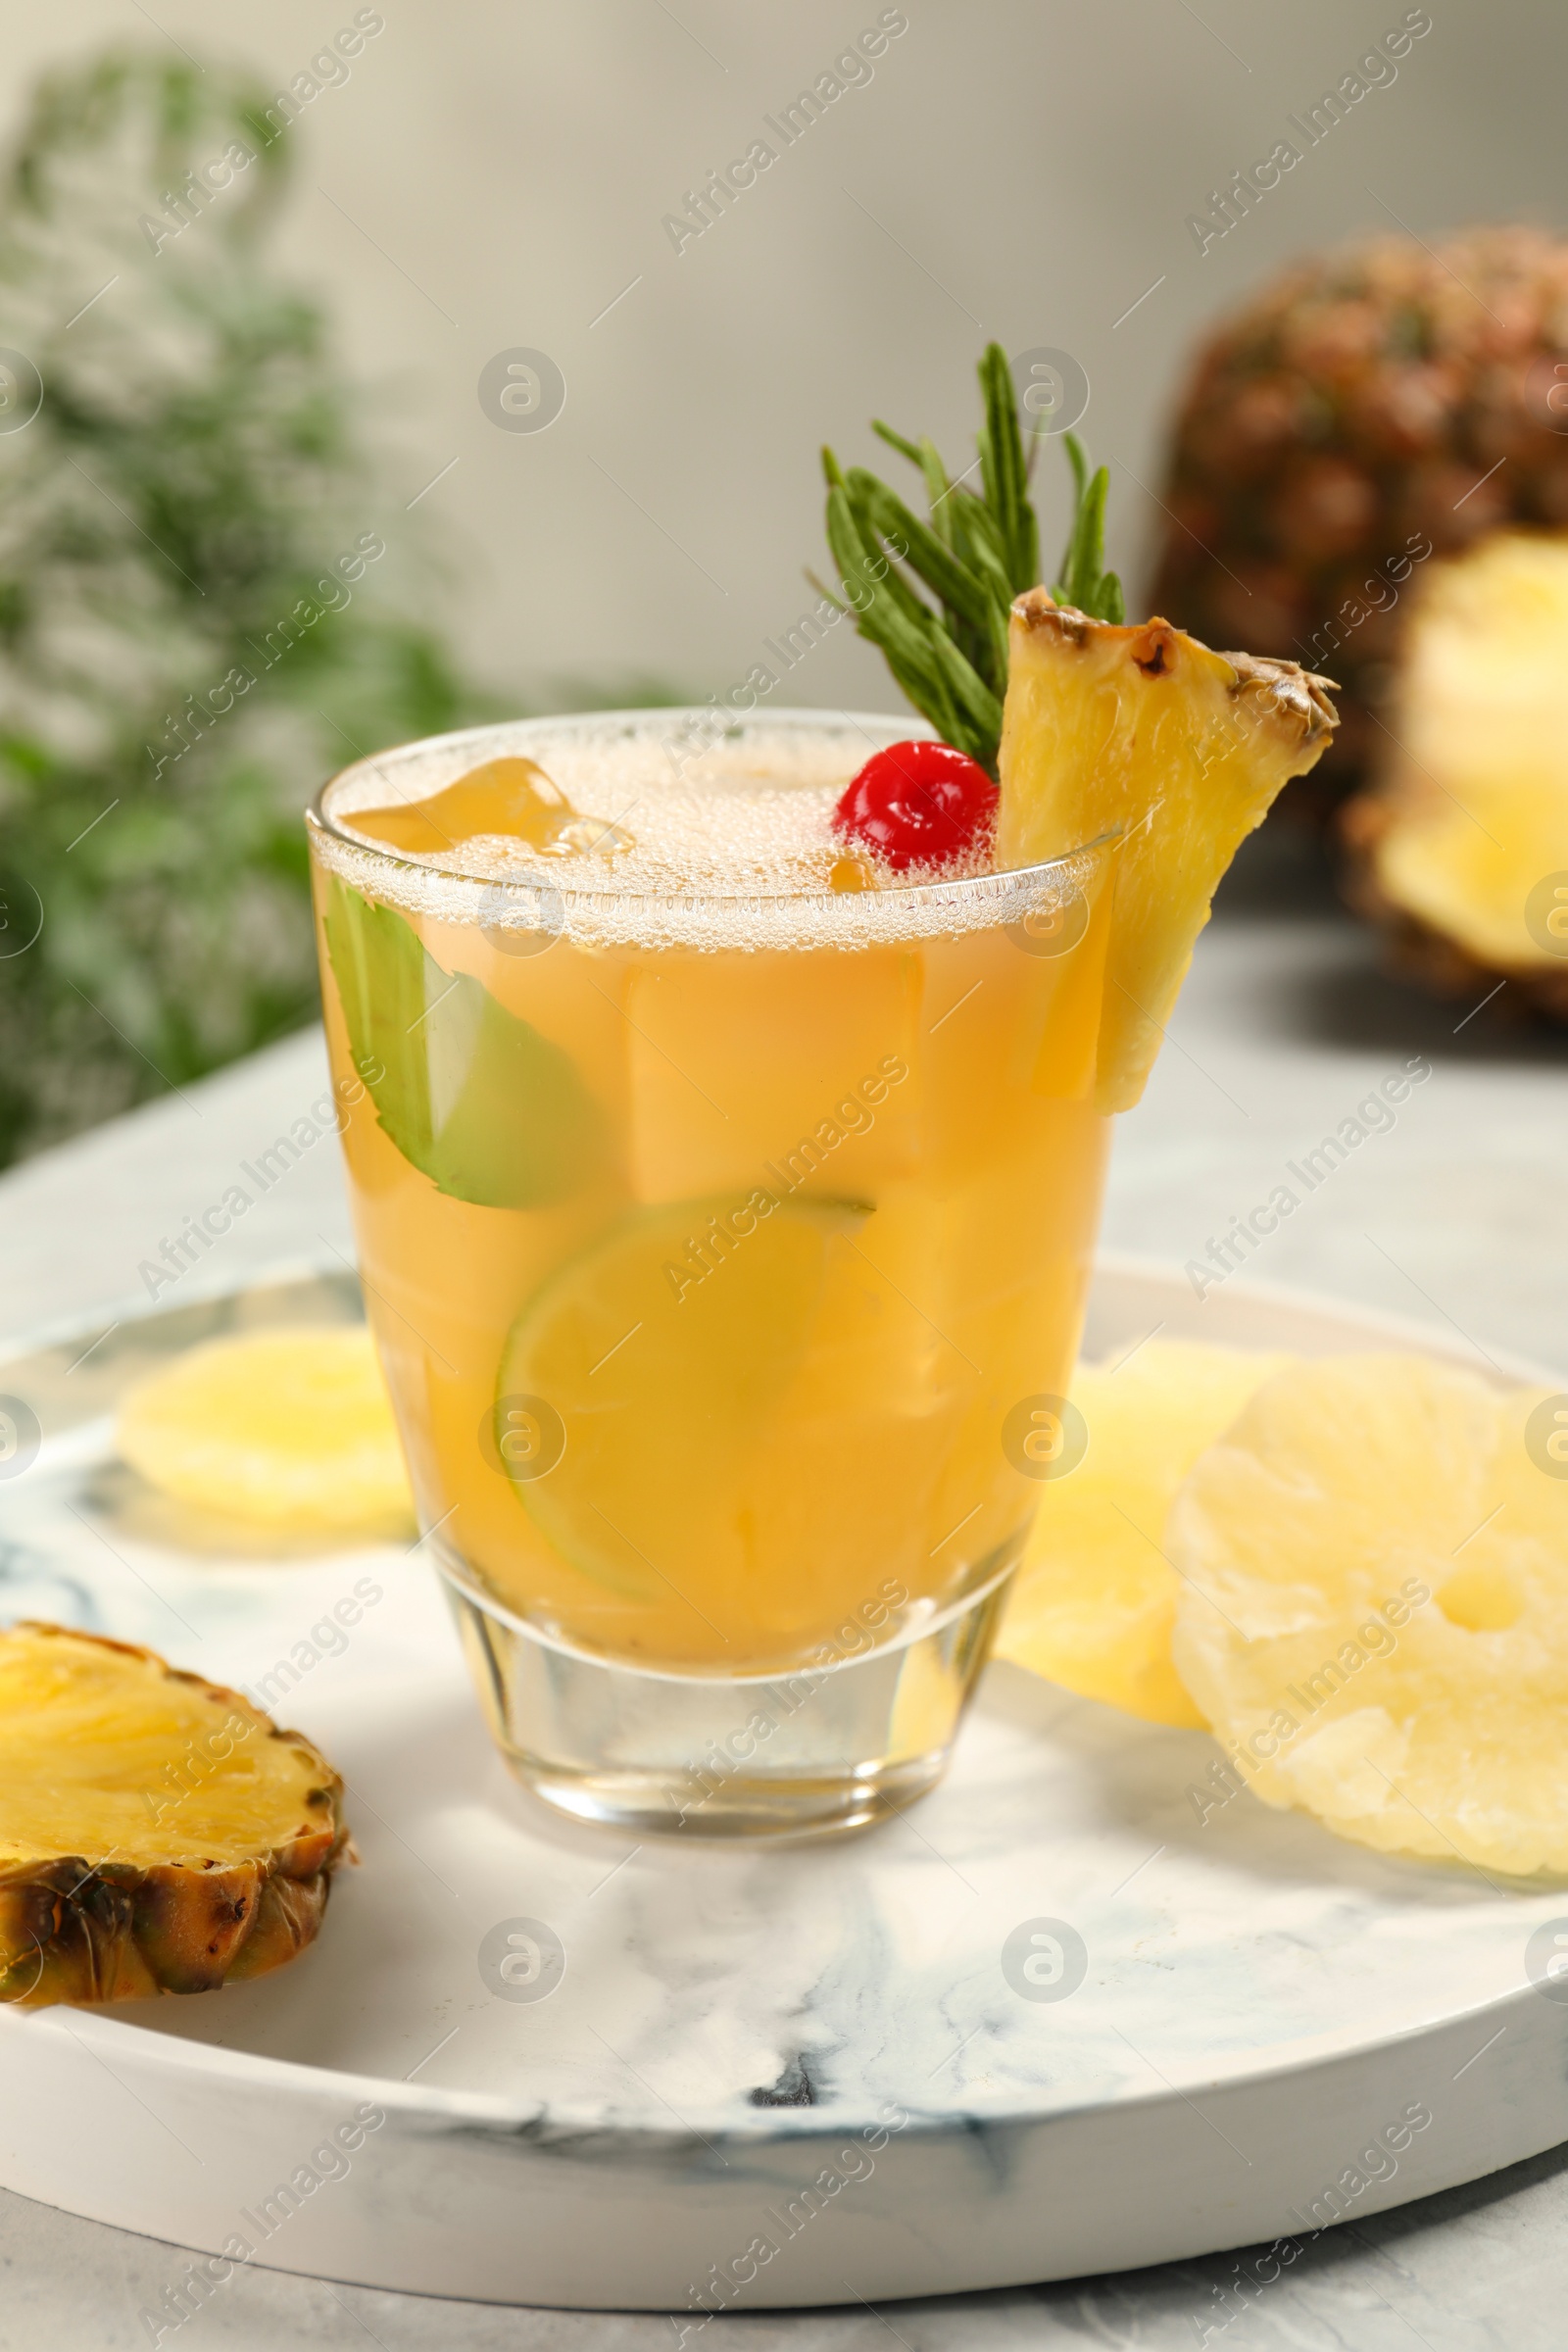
<point>1083,564</point>
<point>974,526</point>
<point>977,541</point>
<point>1029,568</point>
<point>917,681</point>
<point>987,649</point>
<point>904,632</point>
<point>1092,540</point>
<point>1094,552</point>
<point>905,449</point>
<point>1067,570</point>
<point>935,674</point>
<point>847,548</point>
<point>824,591</point>
<point>970,694</point>
<point>938,488</point>
<point>1084,581</point>
<point>1002,470</point>
<point>1078,460</point>
<point>933,702</point>
<point>975,742</point>
<point>928,458</point>
<point>975,555</point>
<point>882,574</point>
<point>986,441</point>
<point>925,552</point>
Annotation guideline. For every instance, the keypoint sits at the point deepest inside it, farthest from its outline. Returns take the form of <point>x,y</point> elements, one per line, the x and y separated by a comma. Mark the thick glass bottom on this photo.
<point>821,1749</point>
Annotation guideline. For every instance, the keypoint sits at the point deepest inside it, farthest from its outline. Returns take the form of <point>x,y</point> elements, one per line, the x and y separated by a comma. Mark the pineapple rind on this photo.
<point>1355,414</point>
<point>217,1867</point>
<point>1182,750</point>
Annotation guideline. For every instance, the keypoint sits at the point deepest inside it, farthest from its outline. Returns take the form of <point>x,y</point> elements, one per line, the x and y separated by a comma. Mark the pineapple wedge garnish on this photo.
<point>157,1832</point>
<point>1180,751</point>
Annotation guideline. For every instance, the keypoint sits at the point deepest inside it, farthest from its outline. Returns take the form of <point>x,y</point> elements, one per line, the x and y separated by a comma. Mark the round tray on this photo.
<point>733,2079</point>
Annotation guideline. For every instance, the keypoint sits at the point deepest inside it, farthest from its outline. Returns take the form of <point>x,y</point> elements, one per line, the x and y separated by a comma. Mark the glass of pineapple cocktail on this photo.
<point>727,1118</point>
<point>725,1227</point>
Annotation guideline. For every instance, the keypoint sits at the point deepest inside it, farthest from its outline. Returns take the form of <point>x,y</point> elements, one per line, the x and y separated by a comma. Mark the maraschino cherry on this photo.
<point>917,804</point>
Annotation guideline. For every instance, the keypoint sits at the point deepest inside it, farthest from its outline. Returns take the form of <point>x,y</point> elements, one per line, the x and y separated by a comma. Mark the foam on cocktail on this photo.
<point>635,842</point>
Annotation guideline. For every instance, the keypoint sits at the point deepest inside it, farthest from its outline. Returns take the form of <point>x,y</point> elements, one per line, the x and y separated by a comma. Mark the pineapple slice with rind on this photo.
<point>157,1832</point>
<point>1094,1601</point>
<point>290,1428</point>
<point>1375,1618</point>
<point>1143,731</point>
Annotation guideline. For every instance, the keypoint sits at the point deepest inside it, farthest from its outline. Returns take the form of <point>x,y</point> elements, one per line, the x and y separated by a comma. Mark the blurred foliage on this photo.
<point>193,475</point>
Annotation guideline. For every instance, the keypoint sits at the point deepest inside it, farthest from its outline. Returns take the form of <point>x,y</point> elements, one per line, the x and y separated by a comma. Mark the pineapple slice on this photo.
<point>158,1834</point>
<point>1094,1604</point>
<point>291,1428</point>
<point>1145,731</point>
<point>1376,1622</point>
<point>1466,845</point>
<point>1435,864</point>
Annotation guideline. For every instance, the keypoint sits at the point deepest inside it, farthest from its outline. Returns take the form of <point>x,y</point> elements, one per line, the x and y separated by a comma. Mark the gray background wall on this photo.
<point>493,175</point>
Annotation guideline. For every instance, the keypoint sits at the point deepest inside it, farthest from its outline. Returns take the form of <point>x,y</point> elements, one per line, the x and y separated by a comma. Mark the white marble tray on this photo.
<point>762,2076</point>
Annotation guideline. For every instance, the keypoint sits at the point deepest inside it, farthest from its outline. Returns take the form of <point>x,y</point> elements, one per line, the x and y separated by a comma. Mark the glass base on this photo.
<point>800,1753</point>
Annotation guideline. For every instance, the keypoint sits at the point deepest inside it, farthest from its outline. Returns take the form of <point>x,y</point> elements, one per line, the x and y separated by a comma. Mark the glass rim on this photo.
<point>969,891</point>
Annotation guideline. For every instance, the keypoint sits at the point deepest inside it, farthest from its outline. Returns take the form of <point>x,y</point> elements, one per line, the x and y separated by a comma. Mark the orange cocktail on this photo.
<point>725,1231</point>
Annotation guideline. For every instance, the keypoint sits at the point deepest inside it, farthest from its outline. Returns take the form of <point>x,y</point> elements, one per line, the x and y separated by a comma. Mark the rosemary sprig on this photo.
<point>973,554</point>
<point>1084,580</point>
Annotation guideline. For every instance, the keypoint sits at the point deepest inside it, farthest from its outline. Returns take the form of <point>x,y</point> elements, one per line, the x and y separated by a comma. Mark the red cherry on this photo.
<point>917,804</point>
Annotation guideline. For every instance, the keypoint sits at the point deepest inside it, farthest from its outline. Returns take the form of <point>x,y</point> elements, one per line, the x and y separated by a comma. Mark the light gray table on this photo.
<point>1454,1216</point>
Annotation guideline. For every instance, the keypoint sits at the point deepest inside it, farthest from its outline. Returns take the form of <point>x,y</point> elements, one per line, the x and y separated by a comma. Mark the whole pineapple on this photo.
<point>1368,409</point>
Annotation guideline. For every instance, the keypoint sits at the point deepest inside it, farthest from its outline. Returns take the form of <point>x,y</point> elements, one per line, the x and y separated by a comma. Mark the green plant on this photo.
<point>189,507</point>
<point>977,551</point>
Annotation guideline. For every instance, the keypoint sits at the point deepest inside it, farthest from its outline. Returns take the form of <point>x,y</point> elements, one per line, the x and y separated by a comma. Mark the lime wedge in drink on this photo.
<point>488,1108</point>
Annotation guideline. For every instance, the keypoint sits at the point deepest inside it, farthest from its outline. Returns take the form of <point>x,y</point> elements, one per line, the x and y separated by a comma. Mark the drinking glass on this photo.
<point>726,1252</point>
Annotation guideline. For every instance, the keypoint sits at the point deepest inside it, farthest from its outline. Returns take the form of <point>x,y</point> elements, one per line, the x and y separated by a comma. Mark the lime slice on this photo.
<point>650,1377</point>
<point>475,1096</point>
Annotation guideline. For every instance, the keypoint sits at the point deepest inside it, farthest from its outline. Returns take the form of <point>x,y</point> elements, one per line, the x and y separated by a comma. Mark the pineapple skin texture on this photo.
<point>1142,730</point>
<point>74,1929</point>
<point>1342,418</point>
